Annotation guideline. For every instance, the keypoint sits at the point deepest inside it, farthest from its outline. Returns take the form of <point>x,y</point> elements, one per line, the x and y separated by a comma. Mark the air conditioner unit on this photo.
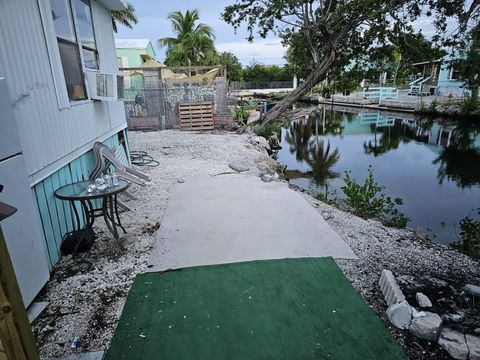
<point>102,86</point>
<point>120,87</point>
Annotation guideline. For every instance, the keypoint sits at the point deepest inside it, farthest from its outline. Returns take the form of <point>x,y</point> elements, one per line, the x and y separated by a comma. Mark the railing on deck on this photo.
<point>376,119</point>
<point>380,93</point>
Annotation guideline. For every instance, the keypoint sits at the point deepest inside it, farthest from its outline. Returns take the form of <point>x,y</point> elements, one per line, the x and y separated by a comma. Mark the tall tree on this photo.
<point>193,43</point>
<point>125,17</point>
<point>258,72</point>
<point>233,66</point>
<point>468,65</point>
<point>334,30</point>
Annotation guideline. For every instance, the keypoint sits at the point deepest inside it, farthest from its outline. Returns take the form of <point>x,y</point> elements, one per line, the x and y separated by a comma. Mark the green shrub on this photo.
<point>368,200</point>
<point>241,114</point>
<point>470,107</point>
<point>328,196</point>
<point>433,107</point>
<point>267,130</point>
<point>470,234</point>
<point>422,109</point>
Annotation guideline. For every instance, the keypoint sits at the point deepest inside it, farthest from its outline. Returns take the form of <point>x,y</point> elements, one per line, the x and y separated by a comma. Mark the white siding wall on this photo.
<point>51,137</point>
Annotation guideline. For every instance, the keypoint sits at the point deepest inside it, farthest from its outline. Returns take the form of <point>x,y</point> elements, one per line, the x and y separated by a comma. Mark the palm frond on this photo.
<point>193,43</point>
<point>167,42</point>
<point>125,17</point>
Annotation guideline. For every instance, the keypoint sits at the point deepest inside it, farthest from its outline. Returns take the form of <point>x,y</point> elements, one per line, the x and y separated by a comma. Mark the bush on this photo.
<point>327,92</point>
<point>470,107</point>
<point>433,107</point>
<point>470,234</point>
<point>369,201</point>
<point>267,130</point>
<point>241,114</point>
<point>328,196</point>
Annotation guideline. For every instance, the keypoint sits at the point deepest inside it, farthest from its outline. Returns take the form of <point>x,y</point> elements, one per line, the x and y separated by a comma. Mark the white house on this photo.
<point>58,95</point>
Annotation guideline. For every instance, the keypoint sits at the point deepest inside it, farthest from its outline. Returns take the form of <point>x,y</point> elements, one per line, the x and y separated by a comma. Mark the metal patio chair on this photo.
<point>105,158</point>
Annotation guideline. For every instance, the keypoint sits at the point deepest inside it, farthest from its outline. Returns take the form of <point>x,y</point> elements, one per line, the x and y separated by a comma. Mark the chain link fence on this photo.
<point>152,95</point>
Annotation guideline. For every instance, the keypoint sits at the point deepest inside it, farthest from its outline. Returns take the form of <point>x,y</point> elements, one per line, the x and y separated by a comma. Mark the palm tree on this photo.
<point>125,17</point>
<point>193,44</point>
<point>312,150</point>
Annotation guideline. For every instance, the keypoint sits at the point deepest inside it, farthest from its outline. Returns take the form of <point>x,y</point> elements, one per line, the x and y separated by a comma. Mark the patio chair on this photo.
<point>117,158</point>
<point>105,157</point>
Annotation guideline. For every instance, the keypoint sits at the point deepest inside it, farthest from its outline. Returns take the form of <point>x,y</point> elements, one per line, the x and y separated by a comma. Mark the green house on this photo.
<point>133,52</point>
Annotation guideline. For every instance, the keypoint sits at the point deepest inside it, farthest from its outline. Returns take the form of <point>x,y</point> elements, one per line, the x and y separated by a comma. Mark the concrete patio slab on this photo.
<point>234,218</point>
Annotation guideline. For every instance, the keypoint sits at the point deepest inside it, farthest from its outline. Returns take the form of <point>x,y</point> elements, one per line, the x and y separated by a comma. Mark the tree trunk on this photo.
<point>474,93</point>
<point>312,79</point>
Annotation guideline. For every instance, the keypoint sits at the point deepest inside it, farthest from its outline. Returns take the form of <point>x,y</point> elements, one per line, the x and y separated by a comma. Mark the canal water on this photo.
<point>434,166</point>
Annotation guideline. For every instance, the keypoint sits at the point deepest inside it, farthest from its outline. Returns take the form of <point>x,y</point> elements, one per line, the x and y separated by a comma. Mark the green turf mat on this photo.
<point>276,309</point>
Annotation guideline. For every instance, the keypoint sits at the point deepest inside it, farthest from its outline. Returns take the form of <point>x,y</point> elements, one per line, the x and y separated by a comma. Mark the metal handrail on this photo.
<point>414,82</point>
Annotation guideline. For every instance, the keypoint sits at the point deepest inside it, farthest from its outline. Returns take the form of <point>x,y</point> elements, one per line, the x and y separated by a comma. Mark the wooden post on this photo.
<point>16,334</point>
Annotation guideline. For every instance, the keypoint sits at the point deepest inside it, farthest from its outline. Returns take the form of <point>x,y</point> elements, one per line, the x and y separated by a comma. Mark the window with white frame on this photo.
<point>73,24</point>
<point>83,17</point>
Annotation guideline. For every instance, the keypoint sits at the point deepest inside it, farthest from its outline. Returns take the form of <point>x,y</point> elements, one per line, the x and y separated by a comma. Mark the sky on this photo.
<point>153,24</point>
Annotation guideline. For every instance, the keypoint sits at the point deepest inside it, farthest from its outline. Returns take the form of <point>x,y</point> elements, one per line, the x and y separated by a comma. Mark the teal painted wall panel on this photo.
<point>448,86</point>
<point>53,254</point>
<point>134,56</point>
<point>57,216</point>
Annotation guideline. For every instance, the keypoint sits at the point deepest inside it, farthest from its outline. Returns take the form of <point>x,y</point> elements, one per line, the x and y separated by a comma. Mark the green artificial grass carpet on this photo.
<point>275,309</point>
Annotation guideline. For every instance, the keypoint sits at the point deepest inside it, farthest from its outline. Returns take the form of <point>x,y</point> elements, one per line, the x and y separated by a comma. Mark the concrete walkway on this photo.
<point>233,218</point>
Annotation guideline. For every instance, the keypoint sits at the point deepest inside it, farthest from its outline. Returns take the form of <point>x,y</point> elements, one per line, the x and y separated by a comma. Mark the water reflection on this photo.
<point>434,166</point>
<point>459,161</point>
<point>308,146</point>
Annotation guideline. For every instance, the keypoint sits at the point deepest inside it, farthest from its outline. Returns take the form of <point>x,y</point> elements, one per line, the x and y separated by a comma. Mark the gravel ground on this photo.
<point>419,265</point>
<point>88,303</point>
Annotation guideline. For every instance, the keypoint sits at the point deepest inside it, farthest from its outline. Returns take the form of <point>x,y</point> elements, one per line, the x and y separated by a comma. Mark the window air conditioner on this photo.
<point>102,86</point>
<point>120,87</point>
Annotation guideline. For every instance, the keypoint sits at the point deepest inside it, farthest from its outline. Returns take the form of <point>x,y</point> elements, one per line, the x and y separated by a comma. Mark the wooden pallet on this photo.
<point>196,116</point>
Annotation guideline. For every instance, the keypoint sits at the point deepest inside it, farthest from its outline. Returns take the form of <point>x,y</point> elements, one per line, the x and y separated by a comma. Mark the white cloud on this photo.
<point>266,51</point>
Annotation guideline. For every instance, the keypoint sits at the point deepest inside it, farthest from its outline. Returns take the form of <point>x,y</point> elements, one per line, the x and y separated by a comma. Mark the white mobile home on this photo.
<point>58,95</point>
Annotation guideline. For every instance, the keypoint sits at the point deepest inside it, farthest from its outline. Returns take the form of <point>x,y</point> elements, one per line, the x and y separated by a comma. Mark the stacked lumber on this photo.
<point>196,116</point>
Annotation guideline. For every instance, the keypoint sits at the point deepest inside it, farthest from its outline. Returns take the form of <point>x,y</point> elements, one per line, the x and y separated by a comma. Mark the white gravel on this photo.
<point>88,304</point>
<point>407,254</point>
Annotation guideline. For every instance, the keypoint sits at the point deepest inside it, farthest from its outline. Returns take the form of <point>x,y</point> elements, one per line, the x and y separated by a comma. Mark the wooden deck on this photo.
<point>401,102</point>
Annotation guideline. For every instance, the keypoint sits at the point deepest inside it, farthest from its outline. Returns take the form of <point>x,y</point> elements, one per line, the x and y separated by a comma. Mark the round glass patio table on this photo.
<point>108,210</point>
